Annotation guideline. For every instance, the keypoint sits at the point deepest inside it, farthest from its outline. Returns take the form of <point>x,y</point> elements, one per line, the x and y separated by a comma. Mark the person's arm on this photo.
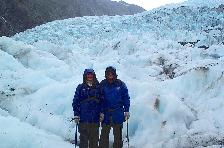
<point>125,97</point>
<point>102,100</point>
<point>76,101</point>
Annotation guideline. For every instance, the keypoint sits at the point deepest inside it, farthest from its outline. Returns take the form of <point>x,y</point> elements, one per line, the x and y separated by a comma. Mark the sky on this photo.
<point>150,4</point>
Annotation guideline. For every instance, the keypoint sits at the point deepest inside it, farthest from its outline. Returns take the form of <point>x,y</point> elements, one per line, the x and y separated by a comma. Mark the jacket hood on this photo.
<point>86,71</point>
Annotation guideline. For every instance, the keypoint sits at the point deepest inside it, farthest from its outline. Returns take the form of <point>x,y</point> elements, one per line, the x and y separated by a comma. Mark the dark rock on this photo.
<point>186,42</point>
<point>116,46</point>
<point>203,46</point>
<point>12,89</point>
<point>157,104</point>
<point>169,70</point>
<point>220,8</point>
<point>19,15</point>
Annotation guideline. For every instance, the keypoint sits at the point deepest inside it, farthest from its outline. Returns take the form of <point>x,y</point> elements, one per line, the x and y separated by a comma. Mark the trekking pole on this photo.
<point>76,132</point>
<point>127,134</point>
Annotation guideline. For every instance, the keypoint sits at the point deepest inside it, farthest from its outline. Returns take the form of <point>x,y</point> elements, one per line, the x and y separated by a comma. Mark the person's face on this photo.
<point>89,77</point>
<point>110,77</point>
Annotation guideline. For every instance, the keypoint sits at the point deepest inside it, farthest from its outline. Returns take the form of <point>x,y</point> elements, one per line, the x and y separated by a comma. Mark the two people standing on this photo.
<point>107,102</point>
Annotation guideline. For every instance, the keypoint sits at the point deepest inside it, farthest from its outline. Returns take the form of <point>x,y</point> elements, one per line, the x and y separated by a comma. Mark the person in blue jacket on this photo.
<point>115,108</point>
<point>86,106</point>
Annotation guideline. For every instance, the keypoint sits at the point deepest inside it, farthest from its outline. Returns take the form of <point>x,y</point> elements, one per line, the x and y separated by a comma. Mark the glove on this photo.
<point>101,117</point>
<point>76,119</point>
<point>126,115</point>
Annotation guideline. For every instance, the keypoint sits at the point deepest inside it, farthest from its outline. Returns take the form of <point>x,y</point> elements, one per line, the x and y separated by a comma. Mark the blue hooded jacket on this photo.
<point>116,101</point>
<point>86,103</point>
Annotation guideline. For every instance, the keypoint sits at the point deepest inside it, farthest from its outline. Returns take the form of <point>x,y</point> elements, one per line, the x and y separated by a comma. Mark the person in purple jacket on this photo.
<point>115,108</point>
<point>87,106</point>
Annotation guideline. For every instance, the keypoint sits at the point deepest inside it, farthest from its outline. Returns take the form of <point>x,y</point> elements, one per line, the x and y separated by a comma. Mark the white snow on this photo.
<point>41,67</point>
<point>19,134</point>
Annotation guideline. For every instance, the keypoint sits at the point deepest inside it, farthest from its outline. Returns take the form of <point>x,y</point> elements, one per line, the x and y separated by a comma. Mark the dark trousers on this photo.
<point>104,137</point>
<point>89,135</point>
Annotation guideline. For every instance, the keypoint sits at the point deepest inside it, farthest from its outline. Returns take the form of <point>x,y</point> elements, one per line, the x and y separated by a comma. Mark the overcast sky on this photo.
<point>149,4</point>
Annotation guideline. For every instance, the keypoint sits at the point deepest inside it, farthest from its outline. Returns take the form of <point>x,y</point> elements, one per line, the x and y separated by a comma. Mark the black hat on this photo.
<point>112,70</point>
